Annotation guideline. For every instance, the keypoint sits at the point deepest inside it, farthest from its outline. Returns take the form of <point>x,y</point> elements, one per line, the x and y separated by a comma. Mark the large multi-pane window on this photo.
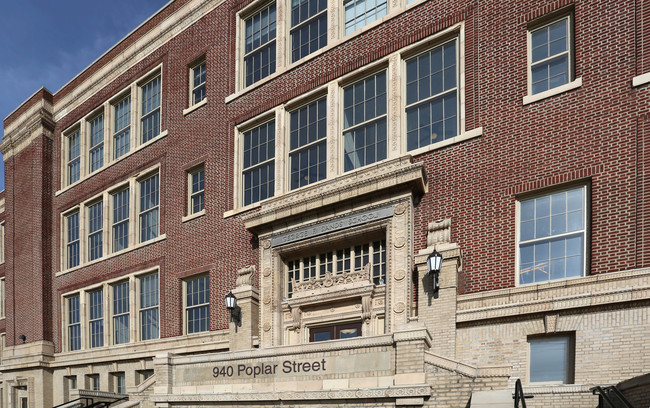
<point>259,53</point>
<point>96,318</point>
<point>197,299</point>
<point>96,150</point>
<point>74,324</point>
<point>432,96</point>
<point>119,382</point>
<point>550,56</point>
<point>308,27</point>
<point>359,13</point>
<point>196,183</point>
<point>149,208</point>
<point>72,240</point>
<point>2,298</point>
<point>364,121</point>
<point>95,231</point>
<point>74,156</point>
<point>150,109</point>
<point>307,144</point>
<point>338,262</point>
<point>258,163</point>
<point>552,233</point>
<point>121,220</point>
<point>121,311</point>
<point>149,299</point>
<point>198,83</point>
<point>122,127</point>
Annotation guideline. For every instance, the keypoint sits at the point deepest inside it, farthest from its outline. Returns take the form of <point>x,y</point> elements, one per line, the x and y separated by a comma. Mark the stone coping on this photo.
<point>421,390</point>
<point>594,290</point>
<point>348,186</point>
<point>320,347</point>
<point>466,369</point>
<point>557,389</point>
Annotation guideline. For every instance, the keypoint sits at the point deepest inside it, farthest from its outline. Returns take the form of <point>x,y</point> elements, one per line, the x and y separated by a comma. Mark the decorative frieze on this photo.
<point>332,281</point>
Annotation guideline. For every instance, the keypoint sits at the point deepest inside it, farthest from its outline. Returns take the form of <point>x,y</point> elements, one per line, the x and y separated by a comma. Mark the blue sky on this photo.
<point>48,42</point>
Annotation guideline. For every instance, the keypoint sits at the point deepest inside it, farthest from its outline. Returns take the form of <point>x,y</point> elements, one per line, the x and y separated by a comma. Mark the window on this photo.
<point>259,164</point>
<point>335,332</point>
<point>96,144</point>
<point>72,242</point>
<point>551,359</point>
<point>197,300</point>
<point>119,383</point>
<point>259,53</point>
<point>74,156</point>
<point>2,298</point>
<point>359,13</point>
<point>96,318</point>
<point>308,147</point>
<point>308,27</point>
<point>2,242</point>
<point>143,375</point>
<point>344,260</point>
<point>122,127</point>
<point>432,96</point>
<point>552,236</point>
<point>150,110</point>
<point>74,324</point>
<point>92,382</point>
<point>197,90</point>
<point>71,382</point>
<point>149,203</point>
<point>95,231</point>
<point>121,220</point>
<point>3,345</point>
<point>550,56</point>
<point>196,183</point>
<point>364,121</point>
<point>149,307</point>
<point>121,313</point>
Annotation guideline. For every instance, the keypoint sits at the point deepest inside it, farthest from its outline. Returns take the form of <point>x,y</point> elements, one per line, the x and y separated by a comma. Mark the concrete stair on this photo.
<point>492,399</point>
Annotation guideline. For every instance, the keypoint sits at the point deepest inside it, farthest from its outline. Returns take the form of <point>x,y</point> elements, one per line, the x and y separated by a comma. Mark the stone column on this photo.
<point>164,374</point>
<point>243,333</point>
<point>411,341</point>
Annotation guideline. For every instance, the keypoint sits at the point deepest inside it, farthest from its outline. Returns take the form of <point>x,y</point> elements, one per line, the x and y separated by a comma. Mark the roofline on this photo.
<point>42,88</point>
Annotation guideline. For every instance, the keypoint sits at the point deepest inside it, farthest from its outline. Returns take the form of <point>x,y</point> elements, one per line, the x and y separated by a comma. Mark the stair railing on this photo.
<point>605,396</point>
<point>519,395</point>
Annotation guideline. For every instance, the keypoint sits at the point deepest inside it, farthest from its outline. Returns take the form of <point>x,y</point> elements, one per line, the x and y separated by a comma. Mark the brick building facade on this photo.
<point>309,156</point>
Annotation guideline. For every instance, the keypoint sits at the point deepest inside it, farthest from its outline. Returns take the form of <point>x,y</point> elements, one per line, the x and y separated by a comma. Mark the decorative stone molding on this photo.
<point>296,316</point>
<point>332,281</point>
<point>550,323</point>
<point>399,307</point>
<point>413,334</point>
<point>400,209</point>
<point>596,290</point>
<point>386,175</point>
<point>439,232</point>
<point>399,275</point>
<point>422,390</point>
<point>245,276</point>
<point>267,272</point>
<point>366,308</point>
<point>37,121</point>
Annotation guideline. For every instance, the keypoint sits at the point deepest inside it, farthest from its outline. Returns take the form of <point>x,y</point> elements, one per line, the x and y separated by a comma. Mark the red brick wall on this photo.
<point>596,133</point>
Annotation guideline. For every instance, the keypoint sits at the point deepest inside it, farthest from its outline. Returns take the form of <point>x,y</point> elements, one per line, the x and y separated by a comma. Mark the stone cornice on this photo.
<point>466,369</point>
<point>34,122</point>
<point>420,390</point>
<point>400,172</point>
<point>413,334</point>
<point>595,290</point>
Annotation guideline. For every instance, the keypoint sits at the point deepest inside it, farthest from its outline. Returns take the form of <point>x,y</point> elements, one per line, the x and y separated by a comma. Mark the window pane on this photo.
<point>259,168</point>
<point>550,56</point>
<point>549,360</point>
<point>259,59</point>
<point>151,110</point>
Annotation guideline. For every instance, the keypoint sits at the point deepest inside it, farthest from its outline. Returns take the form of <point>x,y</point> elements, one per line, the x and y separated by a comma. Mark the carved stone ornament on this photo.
<point>267,272</point>
<point>399,307</point>
<point>399,275</point>
<point>329,280</point>
<point>267,301</point>
<point>366,304</point>
<point>550,323</point>
<point>266,244</point>
<point>400,209</point>
<point>296,316</point>
<point>399,242</point>
<point>267,327</point>
<point>439,232</point>
<point>245,276</point>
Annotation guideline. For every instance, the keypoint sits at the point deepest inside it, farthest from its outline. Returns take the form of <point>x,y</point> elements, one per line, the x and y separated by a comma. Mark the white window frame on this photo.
<point>584,231</point>
<point>196,65</point>
<point>186,308</point>
<point>2,242</point>
<point>191,194</point>
<point>107,200</point>
<point>572,81</point>
<point>107,109</point>
<point>3,297</point>
<point>140,308</point>
<point>102,318</point>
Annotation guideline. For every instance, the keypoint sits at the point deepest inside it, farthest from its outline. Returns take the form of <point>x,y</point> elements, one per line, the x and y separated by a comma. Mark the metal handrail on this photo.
<point>519,395</point>
<point>604,397</point>
<point>76,399</point>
